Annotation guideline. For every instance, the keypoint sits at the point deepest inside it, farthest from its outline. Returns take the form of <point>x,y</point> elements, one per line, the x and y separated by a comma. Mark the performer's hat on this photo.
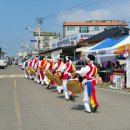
<point>90,57</point>
<point>58,57</point>
<point>49,58</point>
<point>67,58</point>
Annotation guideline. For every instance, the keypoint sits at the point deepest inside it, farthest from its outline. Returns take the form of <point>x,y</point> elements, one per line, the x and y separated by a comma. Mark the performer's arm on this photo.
<point>55,66</point>
<point>62,69</point>
<point>47,66</point>
<point>83,71</point>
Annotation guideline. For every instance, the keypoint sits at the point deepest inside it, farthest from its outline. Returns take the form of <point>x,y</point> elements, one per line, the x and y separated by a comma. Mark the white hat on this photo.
<point>58,57</point>
<point>67,58</point>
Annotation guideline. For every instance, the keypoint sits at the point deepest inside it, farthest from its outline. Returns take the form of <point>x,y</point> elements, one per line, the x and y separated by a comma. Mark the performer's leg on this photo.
<point>30,76</point>
<point>86,99</point>
<point>35,78</point>
<point>65,90</point>
<point>25,74</point>
<point>94,94</point>
<point>59,89</point>
<point>41,79</point>
<point>91,93</point>
<point>46,80</point>
<point>38,79</point>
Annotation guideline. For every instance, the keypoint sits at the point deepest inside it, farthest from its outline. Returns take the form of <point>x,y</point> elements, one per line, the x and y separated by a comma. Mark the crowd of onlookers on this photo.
<point>106,71</point>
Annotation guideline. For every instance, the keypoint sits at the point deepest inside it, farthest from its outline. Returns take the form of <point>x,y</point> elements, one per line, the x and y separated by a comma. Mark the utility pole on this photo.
<point>39,22</point>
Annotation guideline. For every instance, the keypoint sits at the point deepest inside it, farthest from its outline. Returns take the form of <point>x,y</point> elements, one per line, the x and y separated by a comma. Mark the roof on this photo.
<point>96,23</point>
<point>114,32</point>
<point>52,50</point>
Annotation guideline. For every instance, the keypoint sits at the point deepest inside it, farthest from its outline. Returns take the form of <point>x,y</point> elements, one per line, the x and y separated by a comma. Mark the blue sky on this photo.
<point>16,15</point>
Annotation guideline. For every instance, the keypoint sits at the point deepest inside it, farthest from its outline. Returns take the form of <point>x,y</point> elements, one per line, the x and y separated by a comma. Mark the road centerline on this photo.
<point>17,107</point>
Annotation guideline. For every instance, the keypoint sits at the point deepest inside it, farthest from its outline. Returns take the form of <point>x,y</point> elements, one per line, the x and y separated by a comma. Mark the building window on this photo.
<point>96,28</point>
<point>70,28</point>
<point>55,37</point>
<point>46,38</point>
<point>47,44</point>
<point>84,29</point>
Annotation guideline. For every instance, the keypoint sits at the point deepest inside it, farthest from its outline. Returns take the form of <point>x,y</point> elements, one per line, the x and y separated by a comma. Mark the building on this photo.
<point>90,27</point>
<point>46,40</point>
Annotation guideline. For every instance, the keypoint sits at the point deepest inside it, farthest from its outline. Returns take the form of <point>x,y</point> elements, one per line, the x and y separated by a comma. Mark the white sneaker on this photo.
<point>87,107</point>
<point>38,81</point>
<point>26,76</point>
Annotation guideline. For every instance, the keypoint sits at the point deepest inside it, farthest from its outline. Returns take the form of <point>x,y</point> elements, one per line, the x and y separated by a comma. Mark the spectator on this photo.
<point>118,65</point>
<point>108,66</point>
<point>112,67</point>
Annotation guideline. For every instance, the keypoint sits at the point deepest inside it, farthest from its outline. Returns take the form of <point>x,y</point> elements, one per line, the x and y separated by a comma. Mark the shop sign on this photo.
<point>64,42</point>
<point>101,52</point>
<point>71,40</point>
<point>118,81</point>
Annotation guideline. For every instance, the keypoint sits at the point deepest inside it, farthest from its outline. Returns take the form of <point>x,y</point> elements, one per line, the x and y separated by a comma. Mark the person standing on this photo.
<point>49,66</point>
<point>67,69</point>
<point>57,66</point>
<point>88,73</point>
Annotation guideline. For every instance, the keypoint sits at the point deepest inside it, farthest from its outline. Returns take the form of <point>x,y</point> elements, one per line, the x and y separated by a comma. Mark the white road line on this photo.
<point>11,76</point>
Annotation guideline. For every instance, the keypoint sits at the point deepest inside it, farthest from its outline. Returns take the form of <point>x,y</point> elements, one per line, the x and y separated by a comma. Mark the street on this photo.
<point>25,105</point>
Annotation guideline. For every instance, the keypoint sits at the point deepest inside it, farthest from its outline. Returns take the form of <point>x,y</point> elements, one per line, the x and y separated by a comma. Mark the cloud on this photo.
<point>118,10</point>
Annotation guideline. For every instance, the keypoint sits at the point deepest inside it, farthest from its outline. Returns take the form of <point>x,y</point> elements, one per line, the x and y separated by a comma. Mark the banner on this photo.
<point>128,72</point>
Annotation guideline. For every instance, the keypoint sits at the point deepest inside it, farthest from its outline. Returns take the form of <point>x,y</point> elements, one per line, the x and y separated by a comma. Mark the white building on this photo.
<point>91,27</point>
<point>46,40</point>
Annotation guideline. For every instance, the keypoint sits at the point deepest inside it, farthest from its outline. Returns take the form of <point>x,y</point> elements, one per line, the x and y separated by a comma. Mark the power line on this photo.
<point>70,9</point>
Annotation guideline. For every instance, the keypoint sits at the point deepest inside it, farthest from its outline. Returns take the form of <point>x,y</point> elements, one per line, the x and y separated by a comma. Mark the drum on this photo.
<point>33,72</point>
<point>75,86</point>
<point>49,74</point>
<point>28,70</point>
<point>58,78</point>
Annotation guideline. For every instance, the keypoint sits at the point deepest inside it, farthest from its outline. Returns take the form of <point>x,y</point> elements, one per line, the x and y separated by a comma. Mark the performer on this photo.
<point>67,69</point>
<point>89,72</point>
<point>34,61</point>
<point>57,68</point>
<point>42,68</point>
<point>30,67</point>
<point>49,66</point>
<point>25,65</point>
<point>38,71</point>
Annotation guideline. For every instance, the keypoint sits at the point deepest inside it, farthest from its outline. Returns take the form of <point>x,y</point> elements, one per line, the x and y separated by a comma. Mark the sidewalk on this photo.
<point>109,87</point>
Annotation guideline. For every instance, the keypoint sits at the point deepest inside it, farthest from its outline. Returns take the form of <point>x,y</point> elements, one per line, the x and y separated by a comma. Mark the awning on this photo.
<point>110,45</point>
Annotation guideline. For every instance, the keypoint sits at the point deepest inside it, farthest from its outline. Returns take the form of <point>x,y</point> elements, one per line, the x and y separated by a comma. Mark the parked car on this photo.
<point>3,60</point>
<point>79,64</point>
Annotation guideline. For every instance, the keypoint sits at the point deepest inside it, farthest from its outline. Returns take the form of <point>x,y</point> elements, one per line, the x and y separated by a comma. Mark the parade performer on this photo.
<point>34,61</point>
<point>89,72</point>
<point>57,66</point>
<point>67,69</point>
<point>25,65</point>
<point>36,70</point>
<point>49,66</point>
<point>42,68</point>
<point>30,67</point>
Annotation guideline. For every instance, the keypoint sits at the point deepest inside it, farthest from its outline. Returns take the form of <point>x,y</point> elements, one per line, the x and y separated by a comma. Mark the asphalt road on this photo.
<point>25,105</point>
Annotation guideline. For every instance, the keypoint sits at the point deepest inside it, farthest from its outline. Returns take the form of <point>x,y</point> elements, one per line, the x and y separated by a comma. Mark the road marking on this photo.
<point>17,107</point>
<point>11,76</point>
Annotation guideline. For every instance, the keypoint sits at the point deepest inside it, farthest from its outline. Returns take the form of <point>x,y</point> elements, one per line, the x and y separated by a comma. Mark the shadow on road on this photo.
<point>78,107</point>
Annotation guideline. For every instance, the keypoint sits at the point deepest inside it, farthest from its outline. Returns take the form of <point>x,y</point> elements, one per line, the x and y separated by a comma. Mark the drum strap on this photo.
<point>66,71</point>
